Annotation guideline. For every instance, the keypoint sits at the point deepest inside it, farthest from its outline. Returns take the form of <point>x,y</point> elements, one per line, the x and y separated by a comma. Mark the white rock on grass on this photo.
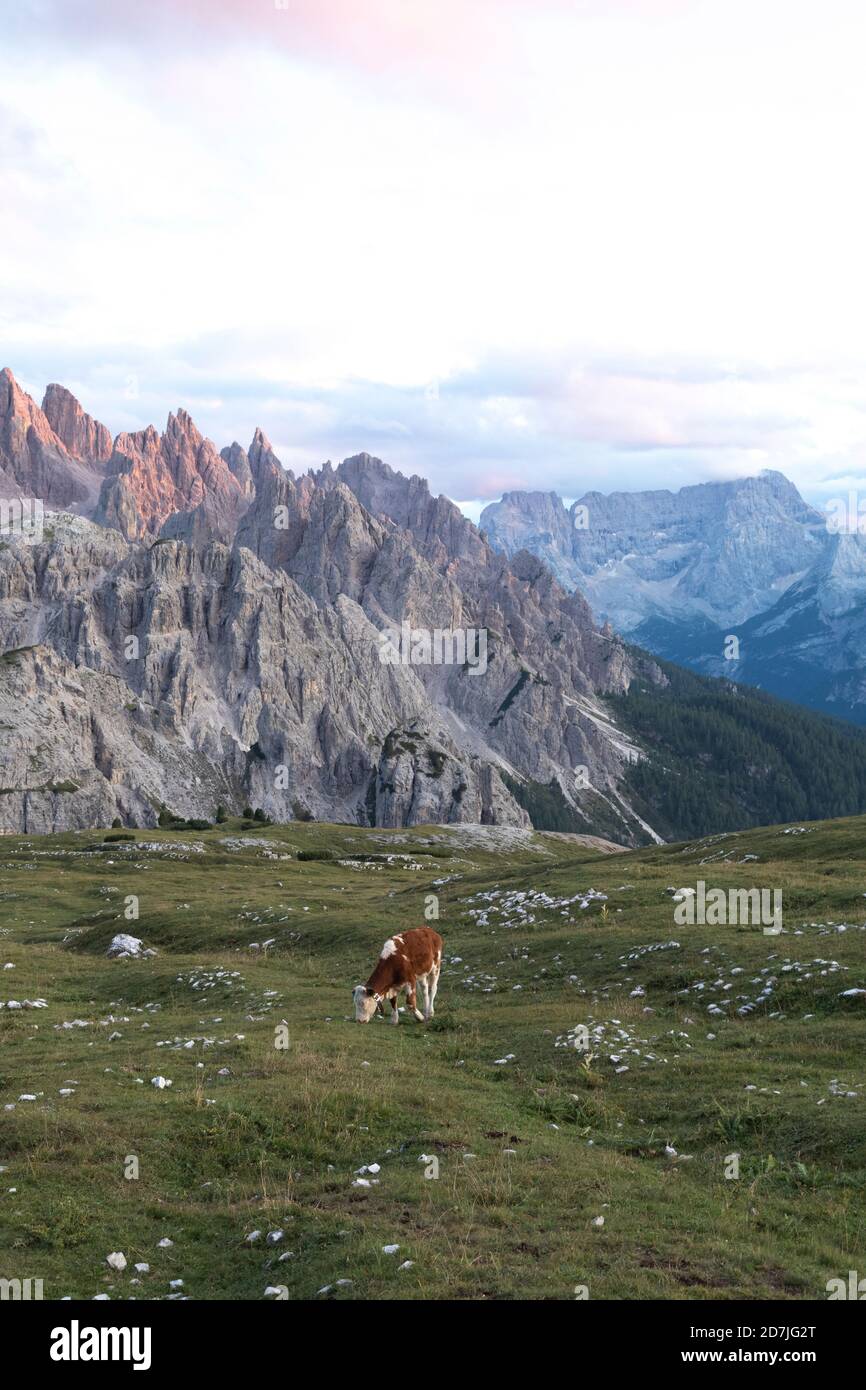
<point>117,1260</point>
<point>390,1249</point>
<point>126,947</point>
<point>160,1082</point>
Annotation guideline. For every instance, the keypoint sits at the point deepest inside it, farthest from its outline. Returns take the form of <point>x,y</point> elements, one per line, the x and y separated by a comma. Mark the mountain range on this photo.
<point>197,628</point>
<point>684,573</point>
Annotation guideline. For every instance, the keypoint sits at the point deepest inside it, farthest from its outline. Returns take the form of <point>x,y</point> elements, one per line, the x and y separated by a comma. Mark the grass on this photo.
<point>251,1136</point>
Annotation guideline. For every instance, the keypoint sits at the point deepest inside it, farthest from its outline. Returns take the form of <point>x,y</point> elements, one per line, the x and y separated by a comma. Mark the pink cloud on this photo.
<point>444,39</point>
<point>375,35</point>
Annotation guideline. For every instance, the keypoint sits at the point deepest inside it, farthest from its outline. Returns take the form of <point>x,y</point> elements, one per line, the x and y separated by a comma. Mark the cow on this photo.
<point>408,959</point>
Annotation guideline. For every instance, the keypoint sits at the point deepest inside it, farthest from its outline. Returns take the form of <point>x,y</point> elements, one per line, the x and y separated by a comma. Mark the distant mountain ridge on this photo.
<point>681,573</point>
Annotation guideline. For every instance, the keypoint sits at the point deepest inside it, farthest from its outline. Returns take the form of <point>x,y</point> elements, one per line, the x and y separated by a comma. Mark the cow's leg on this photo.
<point>412,1000</point>
<point>424,981</point>
<point>434,985</point>
<point>395,1016</point>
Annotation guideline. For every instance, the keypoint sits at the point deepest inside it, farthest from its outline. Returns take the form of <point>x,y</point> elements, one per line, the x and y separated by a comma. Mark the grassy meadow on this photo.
<point>719,1049</point>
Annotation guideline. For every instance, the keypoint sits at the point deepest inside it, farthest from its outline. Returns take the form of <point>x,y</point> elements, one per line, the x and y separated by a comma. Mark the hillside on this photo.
<point>711,1041</point>
<point>722,756</point>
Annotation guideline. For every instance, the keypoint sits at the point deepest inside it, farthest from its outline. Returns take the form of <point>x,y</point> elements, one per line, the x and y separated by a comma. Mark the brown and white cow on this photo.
<point>408,959</point>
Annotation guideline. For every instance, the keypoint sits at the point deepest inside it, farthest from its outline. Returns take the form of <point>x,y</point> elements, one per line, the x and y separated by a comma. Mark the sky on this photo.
<point>548,244</point>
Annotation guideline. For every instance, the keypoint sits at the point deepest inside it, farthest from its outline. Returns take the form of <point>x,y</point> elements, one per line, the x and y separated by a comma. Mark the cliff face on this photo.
<point>83,437</point>
<point>156,478</point>
<point>34,460</point>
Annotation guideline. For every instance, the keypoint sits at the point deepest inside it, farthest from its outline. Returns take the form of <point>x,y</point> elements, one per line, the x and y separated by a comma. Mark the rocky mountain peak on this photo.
<point>34,461</point>
<point>263,461</point>
<point>154,477</point>
<point>83,437</point>
<point>19,413</point>
<point>239,466</point>
<point>439,530</point>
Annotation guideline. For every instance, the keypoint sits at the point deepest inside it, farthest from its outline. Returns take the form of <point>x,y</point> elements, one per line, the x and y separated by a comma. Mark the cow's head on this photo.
<point>366,1003</point>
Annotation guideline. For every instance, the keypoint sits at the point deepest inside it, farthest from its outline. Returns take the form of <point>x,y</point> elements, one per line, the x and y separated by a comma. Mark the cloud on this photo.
<point>441,40</point>
<point>501,243</point>
<point>500,426</point>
